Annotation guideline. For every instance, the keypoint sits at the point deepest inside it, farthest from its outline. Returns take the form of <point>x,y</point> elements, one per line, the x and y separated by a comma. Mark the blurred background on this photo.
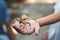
<point>32,8</point>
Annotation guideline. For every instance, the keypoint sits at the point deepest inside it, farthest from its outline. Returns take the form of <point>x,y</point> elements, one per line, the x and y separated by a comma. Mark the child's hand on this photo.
<point>27,30</point>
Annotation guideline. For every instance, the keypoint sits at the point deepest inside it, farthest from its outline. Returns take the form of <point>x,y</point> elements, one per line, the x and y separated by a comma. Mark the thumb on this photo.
<point>15,27</point>
<point>37,30</point>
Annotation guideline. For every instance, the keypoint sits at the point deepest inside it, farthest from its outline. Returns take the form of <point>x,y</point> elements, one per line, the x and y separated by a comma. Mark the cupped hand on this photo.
<point>28,29</point>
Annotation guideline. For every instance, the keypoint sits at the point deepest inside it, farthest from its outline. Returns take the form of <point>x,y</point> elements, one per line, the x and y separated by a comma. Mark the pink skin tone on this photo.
<point>27,30</point>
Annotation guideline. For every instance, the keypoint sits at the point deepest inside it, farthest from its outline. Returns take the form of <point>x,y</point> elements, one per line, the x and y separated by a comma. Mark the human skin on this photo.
<point>50,19</point>
<point>9,30</point>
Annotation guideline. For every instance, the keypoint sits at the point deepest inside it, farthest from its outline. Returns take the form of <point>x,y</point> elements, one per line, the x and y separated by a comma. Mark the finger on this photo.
<point>37,29</point>
<point>22,25</point>
<point>27,25</point>
<point>17,28</point>
<point>14,25</point>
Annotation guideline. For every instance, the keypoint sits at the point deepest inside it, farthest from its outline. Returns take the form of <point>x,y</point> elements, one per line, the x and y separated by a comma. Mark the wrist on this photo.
<point>39,21</point>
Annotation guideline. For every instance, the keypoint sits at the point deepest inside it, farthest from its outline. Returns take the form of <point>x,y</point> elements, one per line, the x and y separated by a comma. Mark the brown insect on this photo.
<point>24,20</point>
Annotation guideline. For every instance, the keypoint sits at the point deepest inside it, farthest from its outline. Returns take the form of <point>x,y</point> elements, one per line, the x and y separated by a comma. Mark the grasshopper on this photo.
<point>24,20</point>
